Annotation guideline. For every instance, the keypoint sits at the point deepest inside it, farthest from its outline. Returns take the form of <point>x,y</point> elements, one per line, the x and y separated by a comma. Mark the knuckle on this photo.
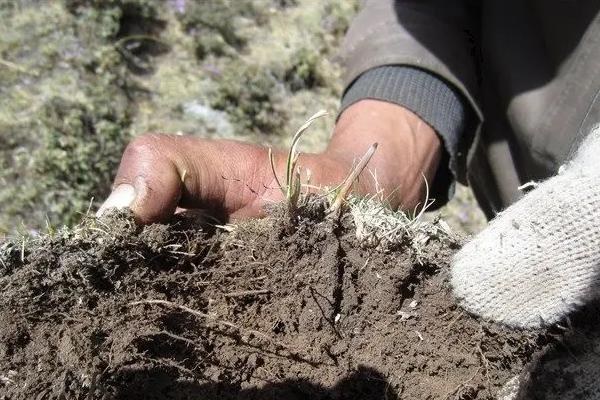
<point>146,146</point>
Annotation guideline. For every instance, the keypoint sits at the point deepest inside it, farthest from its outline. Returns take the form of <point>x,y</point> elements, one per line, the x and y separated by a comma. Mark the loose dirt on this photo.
<point>111,310</point>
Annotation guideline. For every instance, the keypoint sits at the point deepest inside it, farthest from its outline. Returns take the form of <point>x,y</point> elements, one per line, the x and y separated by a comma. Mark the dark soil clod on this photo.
<point>110,310</point>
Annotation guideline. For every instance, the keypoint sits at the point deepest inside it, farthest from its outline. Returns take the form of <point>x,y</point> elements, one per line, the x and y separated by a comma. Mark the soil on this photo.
<point>270,310</point>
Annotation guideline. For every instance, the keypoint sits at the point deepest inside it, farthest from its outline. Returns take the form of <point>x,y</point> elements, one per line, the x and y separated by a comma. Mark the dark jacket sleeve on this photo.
<point>429,47</point>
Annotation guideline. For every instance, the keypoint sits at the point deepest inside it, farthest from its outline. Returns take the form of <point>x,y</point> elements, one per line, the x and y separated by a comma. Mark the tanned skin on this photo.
<point>235,180</point>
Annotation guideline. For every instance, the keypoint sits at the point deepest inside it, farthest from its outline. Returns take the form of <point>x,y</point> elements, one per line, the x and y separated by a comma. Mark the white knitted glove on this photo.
<point>539,259</point>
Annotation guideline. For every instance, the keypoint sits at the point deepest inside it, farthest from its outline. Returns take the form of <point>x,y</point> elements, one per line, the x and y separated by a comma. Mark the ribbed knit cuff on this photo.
<point>428,96</point>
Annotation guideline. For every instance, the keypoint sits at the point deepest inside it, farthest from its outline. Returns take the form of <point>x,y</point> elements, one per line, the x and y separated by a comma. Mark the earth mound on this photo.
<point>269,309</point>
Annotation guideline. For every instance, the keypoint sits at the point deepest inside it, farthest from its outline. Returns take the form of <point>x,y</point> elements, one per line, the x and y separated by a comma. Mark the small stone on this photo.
<point>404,315</point>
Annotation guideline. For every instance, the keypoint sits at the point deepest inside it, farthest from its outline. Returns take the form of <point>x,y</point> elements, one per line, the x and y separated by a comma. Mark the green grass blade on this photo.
<point>295,139</point>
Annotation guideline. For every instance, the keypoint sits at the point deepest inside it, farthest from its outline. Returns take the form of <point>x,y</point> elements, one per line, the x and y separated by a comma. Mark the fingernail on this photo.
<point>122,197</point>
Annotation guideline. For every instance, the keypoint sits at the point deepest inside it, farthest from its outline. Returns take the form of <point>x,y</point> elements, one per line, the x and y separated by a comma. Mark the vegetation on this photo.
<point>63,115</point>
<point>81,78</point>
<point>292,190</point>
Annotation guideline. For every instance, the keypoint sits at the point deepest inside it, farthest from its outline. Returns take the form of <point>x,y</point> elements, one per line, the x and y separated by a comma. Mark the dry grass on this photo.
<point>377,225</point>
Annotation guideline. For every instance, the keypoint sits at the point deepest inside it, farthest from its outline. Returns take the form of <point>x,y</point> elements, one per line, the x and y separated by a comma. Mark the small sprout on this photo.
<point>426,204</point>
<point>344,188</point>
<point>87,212</point>
<point>49,228</point>
<point>297,187</point>
<point>293,184</point>
<point>293,154</point>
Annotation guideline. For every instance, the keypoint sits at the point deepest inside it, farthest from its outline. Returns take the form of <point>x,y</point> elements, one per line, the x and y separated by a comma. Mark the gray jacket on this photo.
<point>519,81</point>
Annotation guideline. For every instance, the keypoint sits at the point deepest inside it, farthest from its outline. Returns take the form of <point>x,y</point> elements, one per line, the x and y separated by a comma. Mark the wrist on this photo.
<point>408,150</point>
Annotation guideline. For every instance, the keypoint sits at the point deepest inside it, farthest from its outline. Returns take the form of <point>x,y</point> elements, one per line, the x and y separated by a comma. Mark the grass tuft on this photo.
<point>293,184</point>
<point>379,226</point>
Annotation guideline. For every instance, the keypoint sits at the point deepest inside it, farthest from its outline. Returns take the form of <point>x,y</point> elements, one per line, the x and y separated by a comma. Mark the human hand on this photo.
<point>160,173</point>
<point>535,263</point>
<point>540,259</point>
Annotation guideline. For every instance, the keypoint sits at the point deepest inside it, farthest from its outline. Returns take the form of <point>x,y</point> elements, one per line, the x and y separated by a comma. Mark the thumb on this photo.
<point>149,179</point>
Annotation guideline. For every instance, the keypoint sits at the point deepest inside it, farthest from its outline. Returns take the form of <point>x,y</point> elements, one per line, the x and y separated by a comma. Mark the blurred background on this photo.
<point>79,79</point>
